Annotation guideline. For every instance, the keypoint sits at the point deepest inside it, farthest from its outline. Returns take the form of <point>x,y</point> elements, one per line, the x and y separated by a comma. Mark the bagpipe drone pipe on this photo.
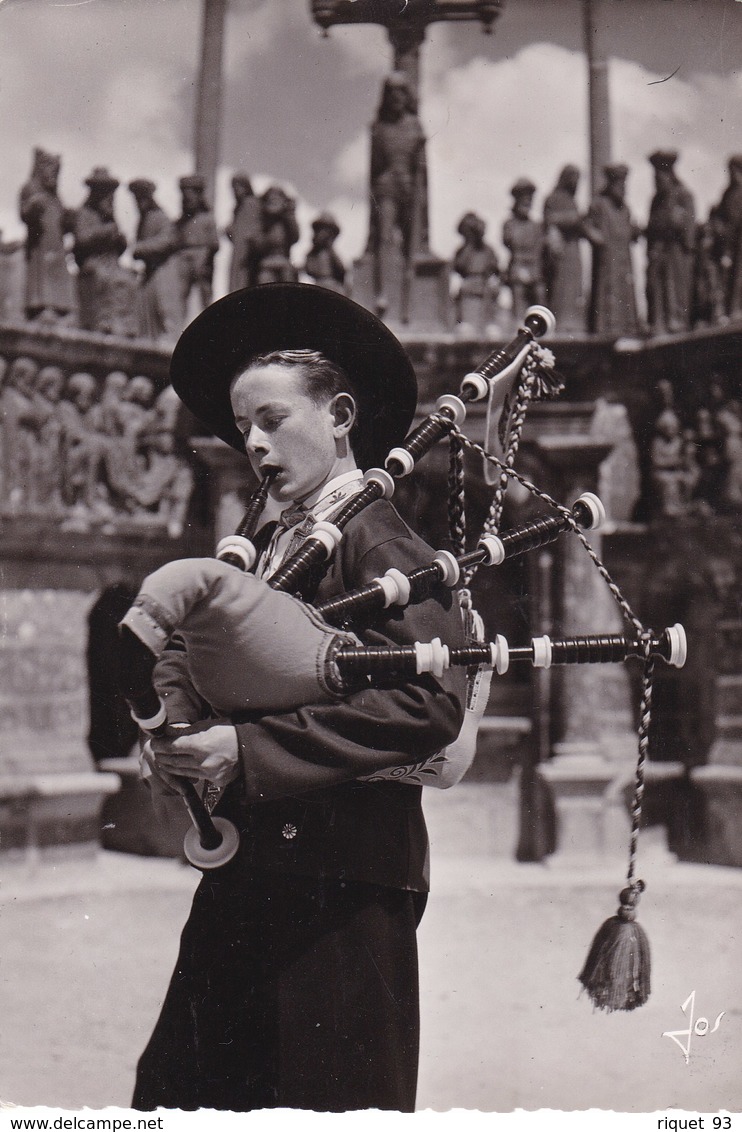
<point>252,645</point>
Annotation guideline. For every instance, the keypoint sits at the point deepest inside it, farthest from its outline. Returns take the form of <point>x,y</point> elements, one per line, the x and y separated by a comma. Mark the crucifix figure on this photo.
<point>399,277</point>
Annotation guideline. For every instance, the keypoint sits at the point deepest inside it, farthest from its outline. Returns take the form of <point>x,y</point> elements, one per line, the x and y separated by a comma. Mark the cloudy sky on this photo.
<point>112,82</point>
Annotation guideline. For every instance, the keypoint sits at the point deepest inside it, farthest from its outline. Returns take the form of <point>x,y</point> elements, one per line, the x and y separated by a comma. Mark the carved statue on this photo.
<point>670,480</point>
<point>710,458</point>
<point>3,374</point>
<point>732,441</point>
<point>50,294</point>
<point>707,302</point>
<point>524,239</point>
<point>80,448</point>
<point>19,433</point>
<point>244,232</point>
<point>563,230</point>
<point>45,488</point>
<point>476,264</point>
<point>728,215</point>
<point>670,234</point>
<point>161,492</point>
<point>157,244</point>
<point>323,263</point>
<point>610,229</point>
<point>278,234</point>
<point>398,190</point>
<point>106,289</point>
<point>199,243</point>
<point>12,279</point>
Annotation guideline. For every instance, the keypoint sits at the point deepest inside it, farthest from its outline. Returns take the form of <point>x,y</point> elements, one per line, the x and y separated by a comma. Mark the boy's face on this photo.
<point>283,428</point>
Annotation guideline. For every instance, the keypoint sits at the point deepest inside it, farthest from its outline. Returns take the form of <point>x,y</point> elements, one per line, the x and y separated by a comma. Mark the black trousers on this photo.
<point>289,992</point>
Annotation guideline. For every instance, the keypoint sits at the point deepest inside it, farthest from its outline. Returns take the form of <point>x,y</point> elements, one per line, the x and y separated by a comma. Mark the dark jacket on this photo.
<point>299,803</point>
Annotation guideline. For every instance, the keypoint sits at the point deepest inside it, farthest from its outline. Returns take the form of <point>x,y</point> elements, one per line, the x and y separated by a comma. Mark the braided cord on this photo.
<point>635,887</point>
<point>456,495</point>
<point>645,714</point>
<point>569,519</point>
<point>516,420</point>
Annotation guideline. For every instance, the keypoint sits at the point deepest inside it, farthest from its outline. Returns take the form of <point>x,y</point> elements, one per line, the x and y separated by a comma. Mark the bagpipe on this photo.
<point>252,645</point>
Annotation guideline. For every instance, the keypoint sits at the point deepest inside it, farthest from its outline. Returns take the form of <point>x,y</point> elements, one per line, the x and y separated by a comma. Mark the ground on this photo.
<point>87,948</point>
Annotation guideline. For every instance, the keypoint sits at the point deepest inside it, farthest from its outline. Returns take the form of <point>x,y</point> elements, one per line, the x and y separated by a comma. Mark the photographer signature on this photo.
<point>700,1028</point>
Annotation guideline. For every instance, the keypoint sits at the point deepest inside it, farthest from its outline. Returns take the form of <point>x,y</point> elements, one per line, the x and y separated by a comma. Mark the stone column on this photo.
<point>594,755</point>
<point>207,126</point>
<point>598,94</point>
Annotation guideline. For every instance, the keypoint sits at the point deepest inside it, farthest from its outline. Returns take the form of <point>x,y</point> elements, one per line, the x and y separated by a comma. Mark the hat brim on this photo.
<point>221,342</point>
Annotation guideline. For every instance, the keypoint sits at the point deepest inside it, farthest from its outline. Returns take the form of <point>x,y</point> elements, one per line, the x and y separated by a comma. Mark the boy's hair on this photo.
<point>323,379</point>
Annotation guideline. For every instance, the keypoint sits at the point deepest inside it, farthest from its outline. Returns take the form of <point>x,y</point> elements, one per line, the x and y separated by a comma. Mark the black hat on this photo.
<point>220,343</point>
<point>616,172</point>
<point>663,158</point>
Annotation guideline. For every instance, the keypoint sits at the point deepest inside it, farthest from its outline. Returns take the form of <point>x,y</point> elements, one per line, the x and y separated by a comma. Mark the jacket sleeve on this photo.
<point>373,729</point>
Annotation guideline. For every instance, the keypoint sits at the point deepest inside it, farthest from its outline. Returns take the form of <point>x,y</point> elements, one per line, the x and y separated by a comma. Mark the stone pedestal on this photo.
<point>419,302</point>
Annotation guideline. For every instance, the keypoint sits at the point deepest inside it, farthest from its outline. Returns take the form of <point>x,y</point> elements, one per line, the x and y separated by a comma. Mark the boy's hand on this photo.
<point>207,751</point>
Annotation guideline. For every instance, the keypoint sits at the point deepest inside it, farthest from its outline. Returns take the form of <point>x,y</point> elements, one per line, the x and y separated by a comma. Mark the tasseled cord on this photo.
<point>616,974</point>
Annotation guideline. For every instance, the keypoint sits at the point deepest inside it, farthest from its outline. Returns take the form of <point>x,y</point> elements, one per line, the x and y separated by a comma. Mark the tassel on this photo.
<point>616,974</point>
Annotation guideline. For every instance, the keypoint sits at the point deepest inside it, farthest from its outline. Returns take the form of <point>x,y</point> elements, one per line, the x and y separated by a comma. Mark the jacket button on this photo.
<point>289,831</point>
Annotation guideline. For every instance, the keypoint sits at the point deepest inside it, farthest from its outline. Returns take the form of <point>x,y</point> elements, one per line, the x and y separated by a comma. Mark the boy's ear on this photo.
<point>344,413</point>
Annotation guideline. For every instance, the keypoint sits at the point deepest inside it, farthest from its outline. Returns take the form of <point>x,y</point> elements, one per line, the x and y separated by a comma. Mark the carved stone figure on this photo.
<point>106,290</point>
<point>12,279</point>
<point>729,214</point>
<point>670,234</point>
<point>3,374</point>
<point>80,448</point>
<point>524,239</point>
<point>610,229</point>
<point>50,294</point>
<point>732,441</point>
<point>476,264</point>
<point>669,475</point>
<point>244,232</point>
<point>725,220</point>
<point>278,234</point>
<point>707,303</point>
<point>563,230</point>
<point>398,197</point>
<point>19,433</point>
<point>199,243</point>
<point>161,492</point>
<point>323,263</point>
<point>45,488</point>
<point>710,457</point>
<point>157,244</point>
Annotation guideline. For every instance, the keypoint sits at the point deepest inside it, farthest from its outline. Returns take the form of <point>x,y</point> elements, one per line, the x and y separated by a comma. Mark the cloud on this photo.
<point>489,123</point>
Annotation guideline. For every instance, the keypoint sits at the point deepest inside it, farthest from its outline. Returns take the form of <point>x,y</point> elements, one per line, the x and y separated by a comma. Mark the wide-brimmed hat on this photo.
<point>523,188</point>
<point>221,342</point>
<point>616,172</point>
<point>100,178</point>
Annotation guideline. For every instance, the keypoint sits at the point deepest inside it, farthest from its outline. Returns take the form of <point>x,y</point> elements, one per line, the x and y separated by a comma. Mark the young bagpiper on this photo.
<point>296,984</point>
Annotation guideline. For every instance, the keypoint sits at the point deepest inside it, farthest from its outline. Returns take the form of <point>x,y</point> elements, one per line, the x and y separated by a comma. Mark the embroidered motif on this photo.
<point>289,831</point>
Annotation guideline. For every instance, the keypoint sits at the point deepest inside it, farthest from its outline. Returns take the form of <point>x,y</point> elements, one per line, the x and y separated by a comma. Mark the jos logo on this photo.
<point>700,1027</point>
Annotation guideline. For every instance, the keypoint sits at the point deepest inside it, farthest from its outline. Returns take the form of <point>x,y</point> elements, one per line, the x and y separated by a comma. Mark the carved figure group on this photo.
<point>694,268</point>
<point>87,452</point>
<point>696,464</point>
